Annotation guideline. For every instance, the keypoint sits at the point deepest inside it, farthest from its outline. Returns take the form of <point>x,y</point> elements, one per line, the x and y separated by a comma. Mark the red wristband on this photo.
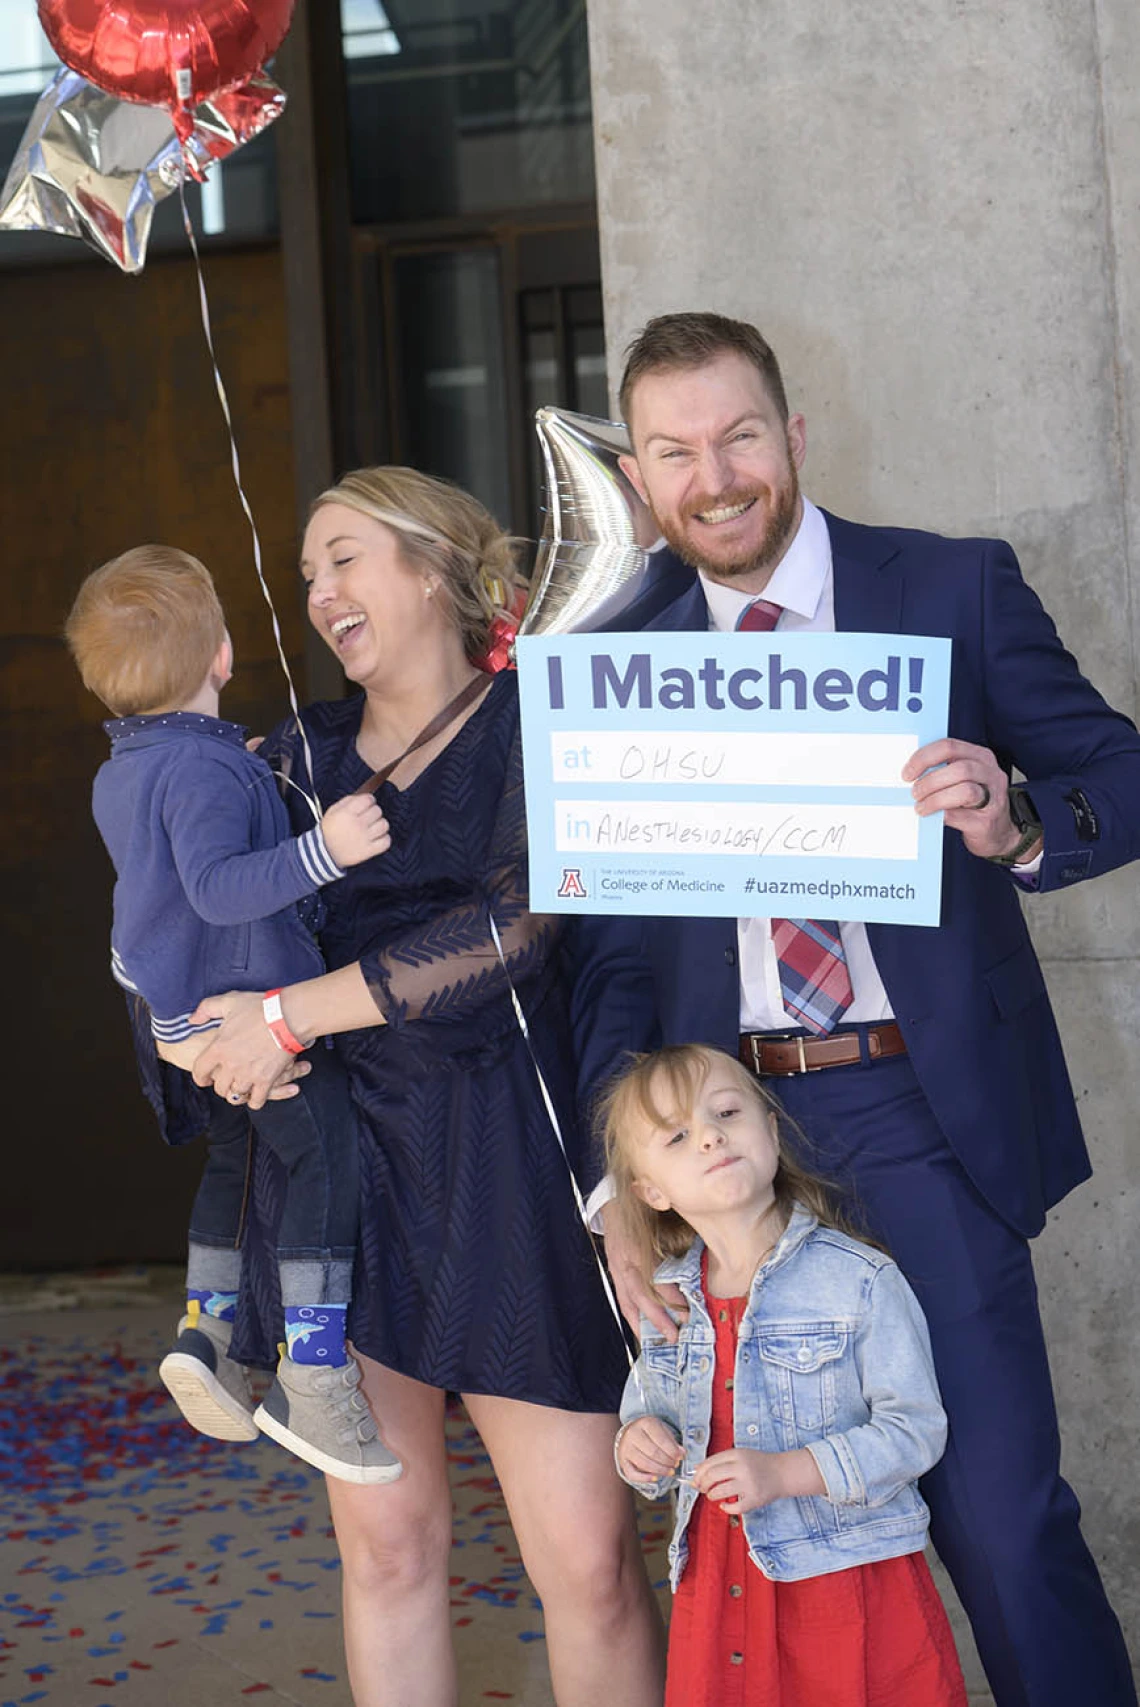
<point>275,1020</point>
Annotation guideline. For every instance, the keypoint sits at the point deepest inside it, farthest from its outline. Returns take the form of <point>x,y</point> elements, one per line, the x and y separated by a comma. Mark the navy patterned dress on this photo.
<point>474,1272</point>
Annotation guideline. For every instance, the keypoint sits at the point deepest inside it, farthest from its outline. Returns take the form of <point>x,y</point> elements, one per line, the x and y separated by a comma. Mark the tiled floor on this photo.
<point>141,1564</point>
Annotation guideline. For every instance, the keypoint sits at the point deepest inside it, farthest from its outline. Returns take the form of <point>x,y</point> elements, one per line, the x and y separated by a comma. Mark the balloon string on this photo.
<point>548,1101</point>
<point>313,801</point>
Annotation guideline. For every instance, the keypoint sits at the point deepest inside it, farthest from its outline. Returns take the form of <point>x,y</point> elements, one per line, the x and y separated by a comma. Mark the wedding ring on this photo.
<point>981,805</point>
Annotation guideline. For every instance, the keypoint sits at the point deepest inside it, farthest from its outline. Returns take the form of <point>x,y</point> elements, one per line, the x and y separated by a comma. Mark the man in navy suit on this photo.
<point>940,1097</point>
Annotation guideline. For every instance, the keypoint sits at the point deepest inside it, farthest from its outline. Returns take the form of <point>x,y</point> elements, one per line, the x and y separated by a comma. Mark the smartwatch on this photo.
<point>1024,815</point>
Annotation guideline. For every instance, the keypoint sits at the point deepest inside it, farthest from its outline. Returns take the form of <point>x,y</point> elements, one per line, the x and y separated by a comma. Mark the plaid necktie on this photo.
<point>815,984</point>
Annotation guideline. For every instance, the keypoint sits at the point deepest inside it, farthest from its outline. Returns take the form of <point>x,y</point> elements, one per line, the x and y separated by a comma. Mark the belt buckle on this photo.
<point>803,1066</point>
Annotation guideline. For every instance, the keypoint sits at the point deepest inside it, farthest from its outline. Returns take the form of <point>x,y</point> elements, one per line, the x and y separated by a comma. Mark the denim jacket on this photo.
<point>833,1354</point>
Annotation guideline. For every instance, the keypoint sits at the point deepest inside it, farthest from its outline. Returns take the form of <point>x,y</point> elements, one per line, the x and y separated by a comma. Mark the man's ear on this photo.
<point>631,470</point>
<point>651,1194</point>
<point>797,440</point>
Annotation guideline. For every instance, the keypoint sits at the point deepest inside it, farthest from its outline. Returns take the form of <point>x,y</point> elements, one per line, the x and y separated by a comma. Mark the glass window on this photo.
<point>564,358</point>
<point>26,60</point>
<point>461,106</point>
<point>450,331</point>
<point>367,32</point>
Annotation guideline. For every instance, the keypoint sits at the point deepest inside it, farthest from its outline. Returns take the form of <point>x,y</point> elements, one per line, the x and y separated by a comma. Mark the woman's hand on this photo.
<point>242,1059</point>
<point>648,1450</point>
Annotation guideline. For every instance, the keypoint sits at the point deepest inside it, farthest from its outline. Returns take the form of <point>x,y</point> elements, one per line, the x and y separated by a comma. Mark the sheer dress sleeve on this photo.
<point>450,966</point>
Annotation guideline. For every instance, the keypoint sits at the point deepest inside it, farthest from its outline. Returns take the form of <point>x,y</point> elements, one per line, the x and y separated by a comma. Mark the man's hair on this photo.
<point>145,628</point>
<point>675,342</point>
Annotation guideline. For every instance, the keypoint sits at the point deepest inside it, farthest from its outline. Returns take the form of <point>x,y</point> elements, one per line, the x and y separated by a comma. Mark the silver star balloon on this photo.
<point>595,567</point>
<point>92,166</point>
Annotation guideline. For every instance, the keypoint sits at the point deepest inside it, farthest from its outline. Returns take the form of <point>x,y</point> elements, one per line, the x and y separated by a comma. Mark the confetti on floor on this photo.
<point>142,1565</point>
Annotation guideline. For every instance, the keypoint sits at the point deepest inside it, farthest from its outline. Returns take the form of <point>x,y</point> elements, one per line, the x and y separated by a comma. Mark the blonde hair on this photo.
<point>663,1087</point>
<point>444,532</point>
<point>145,628</point>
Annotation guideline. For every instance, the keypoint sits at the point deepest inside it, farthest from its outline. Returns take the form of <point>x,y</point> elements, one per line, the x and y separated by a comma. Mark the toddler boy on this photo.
<point>208,881</point>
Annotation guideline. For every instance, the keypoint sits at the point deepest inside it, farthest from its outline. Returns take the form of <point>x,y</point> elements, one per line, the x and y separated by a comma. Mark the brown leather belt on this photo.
<point>776,1056</point>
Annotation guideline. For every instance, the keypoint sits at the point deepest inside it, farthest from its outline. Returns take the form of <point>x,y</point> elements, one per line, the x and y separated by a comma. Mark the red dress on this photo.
<point>872,1636</point>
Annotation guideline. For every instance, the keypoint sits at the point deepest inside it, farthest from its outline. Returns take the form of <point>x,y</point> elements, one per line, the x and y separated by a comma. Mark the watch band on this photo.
<point>1028,837</point>
<point>279,1029</point>
<point>1024,816</point>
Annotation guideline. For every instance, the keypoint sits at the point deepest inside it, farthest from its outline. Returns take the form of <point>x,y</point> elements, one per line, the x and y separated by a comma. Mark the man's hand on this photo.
<point>355,829</point>
<point>648,1450</point>
<point>743,1480</point>
<point>970,787</point>
<point>635,1296</point>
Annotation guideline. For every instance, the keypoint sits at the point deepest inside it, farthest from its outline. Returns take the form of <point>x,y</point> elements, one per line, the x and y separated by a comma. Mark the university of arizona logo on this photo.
<point>571,888</point>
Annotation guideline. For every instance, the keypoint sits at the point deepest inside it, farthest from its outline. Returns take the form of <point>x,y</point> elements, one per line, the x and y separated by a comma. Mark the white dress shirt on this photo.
<point>803,584</point>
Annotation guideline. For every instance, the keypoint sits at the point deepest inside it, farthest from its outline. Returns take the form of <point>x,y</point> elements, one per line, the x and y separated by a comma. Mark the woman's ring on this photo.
<point>238,1096</point>
<point>981,805</point>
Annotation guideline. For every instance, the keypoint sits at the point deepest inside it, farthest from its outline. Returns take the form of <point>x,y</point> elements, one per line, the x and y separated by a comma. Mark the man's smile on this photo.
<point>726,513</point>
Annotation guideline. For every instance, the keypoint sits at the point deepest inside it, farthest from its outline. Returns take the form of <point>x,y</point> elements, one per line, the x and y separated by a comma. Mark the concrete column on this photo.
<point>933,213</point>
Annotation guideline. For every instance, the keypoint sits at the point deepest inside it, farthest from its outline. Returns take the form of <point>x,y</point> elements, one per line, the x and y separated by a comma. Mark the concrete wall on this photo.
<point>933,212</point>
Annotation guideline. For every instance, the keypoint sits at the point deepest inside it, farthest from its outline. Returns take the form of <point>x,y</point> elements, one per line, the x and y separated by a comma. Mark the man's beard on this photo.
<point>783,503</point>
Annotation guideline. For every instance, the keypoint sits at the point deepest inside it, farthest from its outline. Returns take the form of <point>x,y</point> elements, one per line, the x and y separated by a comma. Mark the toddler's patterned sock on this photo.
<point>221,1305</point>
<point>315,1333</point>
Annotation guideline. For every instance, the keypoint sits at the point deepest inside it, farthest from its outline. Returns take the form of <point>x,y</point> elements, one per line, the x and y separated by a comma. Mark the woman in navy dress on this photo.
<point>474,1272</point>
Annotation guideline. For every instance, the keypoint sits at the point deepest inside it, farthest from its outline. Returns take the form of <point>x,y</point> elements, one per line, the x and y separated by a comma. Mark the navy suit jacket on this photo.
<point>969,995</point>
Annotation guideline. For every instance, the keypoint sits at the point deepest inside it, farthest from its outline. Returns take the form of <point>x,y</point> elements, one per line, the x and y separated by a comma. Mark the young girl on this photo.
<point>792,1416</point>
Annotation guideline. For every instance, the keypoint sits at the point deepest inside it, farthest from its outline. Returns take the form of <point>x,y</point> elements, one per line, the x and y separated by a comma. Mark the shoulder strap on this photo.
<point>440,721</point>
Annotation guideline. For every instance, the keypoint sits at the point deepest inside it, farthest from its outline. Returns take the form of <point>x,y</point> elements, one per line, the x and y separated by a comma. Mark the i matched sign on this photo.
<point>731,774</point>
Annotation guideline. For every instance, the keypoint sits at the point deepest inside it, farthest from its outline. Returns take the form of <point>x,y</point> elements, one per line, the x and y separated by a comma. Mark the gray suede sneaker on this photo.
<point>320,1414</point>
<point>210,1390</point>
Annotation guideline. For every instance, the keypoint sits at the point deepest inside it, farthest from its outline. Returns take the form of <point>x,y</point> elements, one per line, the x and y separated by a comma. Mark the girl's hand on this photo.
<point>744,1480</point>
<point>241,1059</point>
<point>648,1450</point>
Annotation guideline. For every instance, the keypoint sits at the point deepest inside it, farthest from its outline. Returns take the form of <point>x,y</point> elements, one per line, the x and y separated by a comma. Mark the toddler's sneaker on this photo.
<point>320,1414</point>
<point>210,1390</point>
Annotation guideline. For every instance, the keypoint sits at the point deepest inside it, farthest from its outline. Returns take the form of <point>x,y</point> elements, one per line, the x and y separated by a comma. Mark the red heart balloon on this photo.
<point>165,53</point>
